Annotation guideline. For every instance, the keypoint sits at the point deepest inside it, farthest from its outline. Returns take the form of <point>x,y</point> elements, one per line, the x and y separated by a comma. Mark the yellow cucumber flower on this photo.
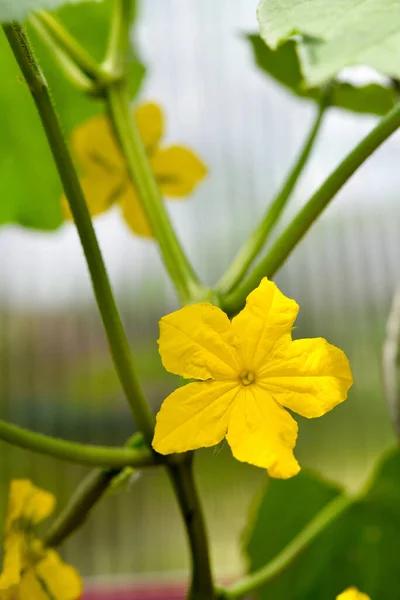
<point>105,179</point>
<point>352,593</point>
<point>250,371</point>
<point>31,572</point>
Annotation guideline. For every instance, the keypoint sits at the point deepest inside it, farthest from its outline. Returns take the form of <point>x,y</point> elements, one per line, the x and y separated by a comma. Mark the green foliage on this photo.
<point>17,10</point>
<point>335,34</point>
<point>361,547</point>
<point>94,379</point>
<point>283,65</point>
<point>29,185</point>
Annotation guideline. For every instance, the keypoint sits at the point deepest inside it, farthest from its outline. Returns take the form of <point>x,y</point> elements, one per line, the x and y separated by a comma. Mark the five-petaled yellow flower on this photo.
<point>352,593</point>
<point>106,182</point>
<point>250,371</point>
<point>30,571</point>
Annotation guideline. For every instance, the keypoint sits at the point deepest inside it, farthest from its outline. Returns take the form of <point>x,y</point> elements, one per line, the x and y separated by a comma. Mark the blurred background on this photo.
<point>56,373</point>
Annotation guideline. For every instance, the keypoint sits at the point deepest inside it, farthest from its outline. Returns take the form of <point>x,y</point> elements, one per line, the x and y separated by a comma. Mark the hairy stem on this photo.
<point>115,332</point>
<point>70,68</point>
<point>181,476</point>
<point>176,263</point>
<point>88,493</point>
<point>66,42</point>
<point>297,229</point>
<point>117,54</point>
<point>82,454</point>
<point>119,110</point>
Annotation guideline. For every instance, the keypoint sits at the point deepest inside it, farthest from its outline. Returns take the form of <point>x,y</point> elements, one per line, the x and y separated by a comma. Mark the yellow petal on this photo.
<point>197,342</point>
<point>31,588</point>
<point>177,170</point>
<point>133,212</point>
<point>267,316</point>
<point>10,594</point>
<point>352,594</point>
<point>28,502</point>
<point>194,416</point>
<point>94,146</point>
<point>100,191</point>
<point>62,580</point>
<point>262,433</point>
<point>307,376</point>
<point>150,123</point>
<point>12,562</point>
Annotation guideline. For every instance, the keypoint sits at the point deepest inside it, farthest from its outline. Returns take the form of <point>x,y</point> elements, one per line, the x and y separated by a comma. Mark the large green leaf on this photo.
<point>30,189</point>
<point>17,10</point>
<point>283,65</point>
<point>361,547</point>
<point>333,35</point>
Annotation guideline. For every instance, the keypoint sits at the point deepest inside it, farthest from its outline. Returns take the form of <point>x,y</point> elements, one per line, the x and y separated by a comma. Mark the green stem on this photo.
<point>116,336</point>
<point>181,476</point>
<point>250,250</point>
<point>116,59</point>
<point>117,98</point>
<point>285,558</point>
<point>87,494</point>
<point>177,264</point>
<point>99,456</point>
<point>296,230</point>
<point>64,40</point>
<point>72,71</point>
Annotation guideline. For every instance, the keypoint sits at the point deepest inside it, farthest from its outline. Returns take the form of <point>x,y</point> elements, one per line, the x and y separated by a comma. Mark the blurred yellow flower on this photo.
<point>31,572</point>
<point>250,369</point>
<point>105,179</point>
<point>352,593</point>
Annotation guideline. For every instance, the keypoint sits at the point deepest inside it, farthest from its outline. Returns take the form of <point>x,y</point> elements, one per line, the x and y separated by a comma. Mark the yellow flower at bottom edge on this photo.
<point>106,181</point>
<point>352,593</point>
<point>250,371</point>
<point>31,572</point>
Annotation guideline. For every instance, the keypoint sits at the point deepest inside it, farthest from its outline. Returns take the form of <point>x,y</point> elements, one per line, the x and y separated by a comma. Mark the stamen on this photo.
<point>247,377</point>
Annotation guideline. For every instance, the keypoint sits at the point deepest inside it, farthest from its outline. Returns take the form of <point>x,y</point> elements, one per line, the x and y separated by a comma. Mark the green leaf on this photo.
<point>29,184</point>
<point>361,547</point>
<point>333,35</point>
<point>17,10</point>
<point>283,65</point>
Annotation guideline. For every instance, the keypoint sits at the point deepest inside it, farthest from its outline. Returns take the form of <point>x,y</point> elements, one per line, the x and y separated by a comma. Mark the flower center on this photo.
<point>247,377</point>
